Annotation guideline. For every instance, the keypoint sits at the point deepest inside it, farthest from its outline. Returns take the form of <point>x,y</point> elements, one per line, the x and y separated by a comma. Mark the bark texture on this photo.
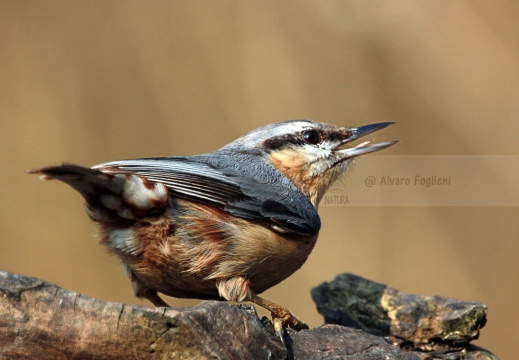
<point>39,320</point>
<point>434,327</point>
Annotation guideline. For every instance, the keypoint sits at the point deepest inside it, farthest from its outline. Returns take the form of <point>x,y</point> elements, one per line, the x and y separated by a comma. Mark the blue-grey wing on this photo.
<point>242,194</point>
<point>183,178</point>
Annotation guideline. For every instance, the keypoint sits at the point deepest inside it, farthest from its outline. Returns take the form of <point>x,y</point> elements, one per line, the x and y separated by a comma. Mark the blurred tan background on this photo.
<point>93,81</point>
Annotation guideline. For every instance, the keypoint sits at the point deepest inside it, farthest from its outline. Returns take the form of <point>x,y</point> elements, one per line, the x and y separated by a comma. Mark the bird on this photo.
<point>225,225</point>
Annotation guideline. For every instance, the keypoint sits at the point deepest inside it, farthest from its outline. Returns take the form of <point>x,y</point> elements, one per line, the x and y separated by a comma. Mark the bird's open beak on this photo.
<point>366,146</point>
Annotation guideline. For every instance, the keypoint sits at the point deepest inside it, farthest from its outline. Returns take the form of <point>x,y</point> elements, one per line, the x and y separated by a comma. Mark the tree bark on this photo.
<point>39,320</point>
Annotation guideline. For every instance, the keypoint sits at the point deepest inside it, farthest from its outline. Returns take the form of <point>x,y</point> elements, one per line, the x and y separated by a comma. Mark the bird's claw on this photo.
<point>280,316</point>
<point>286,318</point>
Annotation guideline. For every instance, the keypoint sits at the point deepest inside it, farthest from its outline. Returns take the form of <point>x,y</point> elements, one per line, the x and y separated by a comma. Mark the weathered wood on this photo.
<point>432,325</point>
<point>39,320</point>
<point>339,342</point>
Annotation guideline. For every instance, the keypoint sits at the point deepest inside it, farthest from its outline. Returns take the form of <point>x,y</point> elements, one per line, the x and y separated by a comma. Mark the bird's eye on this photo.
<point>311,137</point>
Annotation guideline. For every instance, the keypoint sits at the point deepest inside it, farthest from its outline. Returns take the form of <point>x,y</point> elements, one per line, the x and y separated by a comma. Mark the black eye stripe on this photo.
<point>309,136</point>
<point>281,141</point>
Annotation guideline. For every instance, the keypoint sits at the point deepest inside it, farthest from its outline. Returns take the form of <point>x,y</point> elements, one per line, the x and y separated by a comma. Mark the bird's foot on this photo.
<point>280,317</point>
<point>283,317</point>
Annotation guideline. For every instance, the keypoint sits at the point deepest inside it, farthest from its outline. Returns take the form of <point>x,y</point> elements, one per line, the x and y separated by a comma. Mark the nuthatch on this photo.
<point>228,224</point>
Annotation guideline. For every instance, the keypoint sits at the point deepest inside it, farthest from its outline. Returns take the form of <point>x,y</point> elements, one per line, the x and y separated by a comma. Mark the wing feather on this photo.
<point>242,194</point>
<point>193,180</point>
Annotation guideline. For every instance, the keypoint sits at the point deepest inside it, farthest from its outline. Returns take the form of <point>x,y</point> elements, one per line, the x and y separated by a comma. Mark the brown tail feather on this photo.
<point>110,197</point>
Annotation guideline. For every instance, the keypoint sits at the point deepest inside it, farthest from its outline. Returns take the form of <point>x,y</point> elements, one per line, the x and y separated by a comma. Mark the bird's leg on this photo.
<point>280,316</point>
<point>142,291</point>
<point>238,289</point>
<point>153,297</point>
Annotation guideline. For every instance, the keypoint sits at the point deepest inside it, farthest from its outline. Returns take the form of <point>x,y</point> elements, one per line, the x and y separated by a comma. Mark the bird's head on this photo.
<point>311,154</point>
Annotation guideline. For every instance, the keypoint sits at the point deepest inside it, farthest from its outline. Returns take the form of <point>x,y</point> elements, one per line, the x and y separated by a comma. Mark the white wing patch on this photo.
<point>143,194</point>
<point>125,241</point>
